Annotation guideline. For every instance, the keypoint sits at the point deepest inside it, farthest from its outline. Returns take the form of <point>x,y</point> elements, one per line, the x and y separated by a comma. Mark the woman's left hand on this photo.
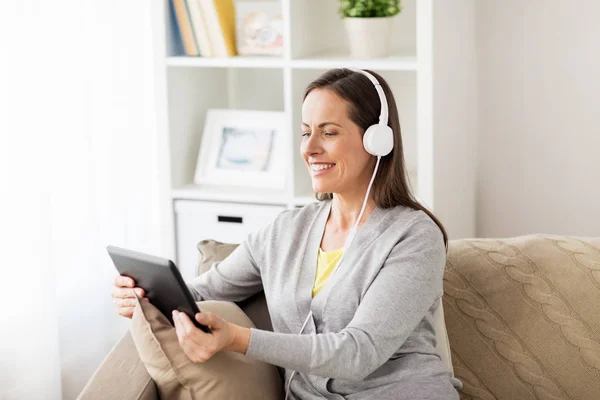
<point>200,346</point>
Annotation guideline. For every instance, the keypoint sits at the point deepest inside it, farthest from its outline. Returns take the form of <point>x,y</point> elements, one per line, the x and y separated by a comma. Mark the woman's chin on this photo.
<point>319,188</point>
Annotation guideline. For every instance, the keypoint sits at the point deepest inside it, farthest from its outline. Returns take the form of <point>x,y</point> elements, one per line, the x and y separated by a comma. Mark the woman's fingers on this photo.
<point>186,328</point>
<point>124,295</point>
<point>190,339</point>
<point>186,323</point>
<point>124,281</point>
<point>125,311</point>
<point>208,319</point>
<point>125,287</point>
<point>127,302</point>
<point>181,334</point>
<point>126,292</point>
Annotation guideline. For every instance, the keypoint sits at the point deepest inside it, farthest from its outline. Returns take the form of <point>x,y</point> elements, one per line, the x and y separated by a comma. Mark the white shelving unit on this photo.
<point>431,73</point>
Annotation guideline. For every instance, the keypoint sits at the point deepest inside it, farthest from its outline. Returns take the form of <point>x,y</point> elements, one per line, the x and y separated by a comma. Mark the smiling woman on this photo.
<point>368,331</point>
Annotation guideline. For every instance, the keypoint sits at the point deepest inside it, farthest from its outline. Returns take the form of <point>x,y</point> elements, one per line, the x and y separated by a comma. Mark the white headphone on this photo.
<point>378,139</point>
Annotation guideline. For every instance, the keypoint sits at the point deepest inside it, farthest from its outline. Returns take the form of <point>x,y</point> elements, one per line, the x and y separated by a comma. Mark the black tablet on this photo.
<point>160,279</point>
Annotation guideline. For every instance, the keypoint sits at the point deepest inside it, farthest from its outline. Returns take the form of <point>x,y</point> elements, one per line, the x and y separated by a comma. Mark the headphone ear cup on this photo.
<point>368,138</point>
<point>378,140</point>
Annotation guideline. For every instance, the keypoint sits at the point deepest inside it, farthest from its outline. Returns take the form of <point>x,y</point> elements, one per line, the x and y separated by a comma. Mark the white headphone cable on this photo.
<point>347,244</point>
<point>352,233</point>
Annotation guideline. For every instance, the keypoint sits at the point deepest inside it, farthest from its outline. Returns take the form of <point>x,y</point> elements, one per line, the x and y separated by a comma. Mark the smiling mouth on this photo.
<point>321,167</point>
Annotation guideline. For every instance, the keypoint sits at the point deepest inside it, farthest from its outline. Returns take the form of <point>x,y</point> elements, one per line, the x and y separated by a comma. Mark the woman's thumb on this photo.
<point>206,318</point>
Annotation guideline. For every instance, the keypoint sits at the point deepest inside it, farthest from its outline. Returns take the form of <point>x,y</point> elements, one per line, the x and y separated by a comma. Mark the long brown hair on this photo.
<point>391,186</point>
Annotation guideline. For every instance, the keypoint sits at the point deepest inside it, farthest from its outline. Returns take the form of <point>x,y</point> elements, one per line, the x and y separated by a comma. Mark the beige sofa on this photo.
<point>522,314</point>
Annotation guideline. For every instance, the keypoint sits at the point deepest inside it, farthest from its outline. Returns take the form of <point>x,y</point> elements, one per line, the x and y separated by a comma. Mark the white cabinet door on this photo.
<point>226,222</point>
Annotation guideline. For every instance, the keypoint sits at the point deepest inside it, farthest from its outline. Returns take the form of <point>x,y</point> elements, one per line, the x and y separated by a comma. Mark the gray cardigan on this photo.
<point>372,333</point>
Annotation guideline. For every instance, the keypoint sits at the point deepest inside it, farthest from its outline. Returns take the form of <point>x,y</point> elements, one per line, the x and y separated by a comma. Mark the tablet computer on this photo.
<point>160,279</point>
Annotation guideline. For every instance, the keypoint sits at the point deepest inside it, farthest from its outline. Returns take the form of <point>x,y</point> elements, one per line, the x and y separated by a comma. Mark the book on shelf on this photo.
<point>185,27</point>
<point>199,28</point>
<point>207,27</point>
<point>220,20</point>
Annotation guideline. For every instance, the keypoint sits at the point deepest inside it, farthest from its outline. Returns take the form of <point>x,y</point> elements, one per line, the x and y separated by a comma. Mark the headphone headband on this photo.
<point>383,115</point>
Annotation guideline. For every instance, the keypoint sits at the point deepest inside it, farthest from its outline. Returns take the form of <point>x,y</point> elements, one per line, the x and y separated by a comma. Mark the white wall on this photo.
<point>539,130</point>
<point>78,170</point>
<point>455,115</point>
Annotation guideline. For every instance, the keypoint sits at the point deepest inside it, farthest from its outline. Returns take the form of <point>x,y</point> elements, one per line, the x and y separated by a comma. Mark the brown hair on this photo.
<point>391,186</point>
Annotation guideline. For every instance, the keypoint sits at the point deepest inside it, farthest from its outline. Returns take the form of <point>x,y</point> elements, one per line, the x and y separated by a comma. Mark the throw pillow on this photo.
<point>212,251</point>
<point>255,307</point>
<point>227,375</point>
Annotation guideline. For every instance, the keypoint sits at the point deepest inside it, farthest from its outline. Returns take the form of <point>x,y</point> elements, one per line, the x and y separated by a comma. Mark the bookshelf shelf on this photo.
<point>323,60</point>
<point>431,72</point>
<point>337,59</point>
<point>234,195</point>
<point>239,195</point>
<point>231,62</point>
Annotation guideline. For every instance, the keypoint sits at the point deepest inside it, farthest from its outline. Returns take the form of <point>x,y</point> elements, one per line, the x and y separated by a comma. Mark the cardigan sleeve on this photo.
<point>406,287</point>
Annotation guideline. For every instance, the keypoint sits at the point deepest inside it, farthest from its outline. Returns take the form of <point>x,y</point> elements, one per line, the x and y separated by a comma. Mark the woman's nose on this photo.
<point>311,145</point>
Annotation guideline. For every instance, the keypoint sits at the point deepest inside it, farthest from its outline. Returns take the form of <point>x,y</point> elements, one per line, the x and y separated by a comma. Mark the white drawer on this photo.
<point>226,222</point>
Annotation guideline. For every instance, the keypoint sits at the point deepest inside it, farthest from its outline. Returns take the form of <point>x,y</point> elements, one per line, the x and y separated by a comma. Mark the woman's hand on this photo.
<point>124,297</point>
<point>200,346</point>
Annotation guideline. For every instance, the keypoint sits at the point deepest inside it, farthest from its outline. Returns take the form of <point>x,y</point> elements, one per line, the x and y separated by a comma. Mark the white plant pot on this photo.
<point>369,37</point>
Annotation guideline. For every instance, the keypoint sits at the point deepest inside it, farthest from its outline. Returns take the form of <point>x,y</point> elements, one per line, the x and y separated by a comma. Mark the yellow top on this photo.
<point>326,262</point>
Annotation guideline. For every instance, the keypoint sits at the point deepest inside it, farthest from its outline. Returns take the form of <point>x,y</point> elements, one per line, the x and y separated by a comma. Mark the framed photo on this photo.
<point>259,28</point>
<point>242,148</point>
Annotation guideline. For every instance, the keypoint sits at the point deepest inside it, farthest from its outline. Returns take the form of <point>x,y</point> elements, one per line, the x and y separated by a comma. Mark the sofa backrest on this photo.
<point>523,316</point>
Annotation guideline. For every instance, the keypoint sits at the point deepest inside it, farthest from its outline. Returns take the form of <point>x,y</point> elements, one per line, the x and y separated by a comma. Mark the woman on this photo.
<point>367,326</point>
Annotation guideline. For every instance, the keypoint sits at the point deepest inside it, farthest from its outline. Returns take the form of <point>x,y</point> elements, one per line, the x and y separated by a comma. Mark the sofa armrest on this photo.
<point>121,376</point>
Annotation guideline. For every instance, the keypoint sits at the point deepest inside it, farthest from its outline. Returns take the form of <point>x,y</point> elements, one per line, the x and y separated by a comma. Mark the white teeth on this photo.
<point>320,167</point>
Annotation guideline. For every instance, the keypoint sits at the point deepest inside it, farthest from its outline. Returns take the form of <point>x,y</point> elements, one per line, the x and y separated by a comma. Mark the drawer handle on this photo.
<point>224,218</point>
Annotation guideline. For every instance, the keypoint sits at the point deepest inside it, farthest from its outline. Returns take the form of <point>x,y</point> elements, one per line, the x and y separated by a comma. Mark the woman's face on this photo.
<point>332,145</point>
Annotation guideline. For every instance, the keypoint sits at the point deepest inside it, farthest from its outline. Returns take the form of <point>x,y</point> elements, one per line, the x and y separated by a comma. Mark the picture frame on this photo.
<point>259,28</point>
<point>243,148</point>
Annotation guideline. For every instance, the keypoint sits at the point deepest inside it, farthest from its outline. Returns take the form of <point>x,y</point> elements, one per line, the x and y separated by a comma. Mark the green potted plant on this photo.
<point>368,25</point>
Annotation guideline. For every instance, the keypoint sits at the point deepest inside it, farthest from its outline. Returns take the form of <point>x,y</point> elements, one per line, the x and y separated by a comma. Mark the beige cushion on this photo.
<point>212,251</point>
<point>255,307</point>
<point>442,342</point>
<point>227,375</point>
<point>121,375</point>
<point>523,317</point>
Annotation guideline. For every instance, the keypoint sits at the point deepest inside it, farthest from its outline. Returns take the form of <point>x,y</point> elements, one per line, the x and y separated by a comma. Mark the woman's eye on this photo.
<point>330,133</point>
<point>305,134</point>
